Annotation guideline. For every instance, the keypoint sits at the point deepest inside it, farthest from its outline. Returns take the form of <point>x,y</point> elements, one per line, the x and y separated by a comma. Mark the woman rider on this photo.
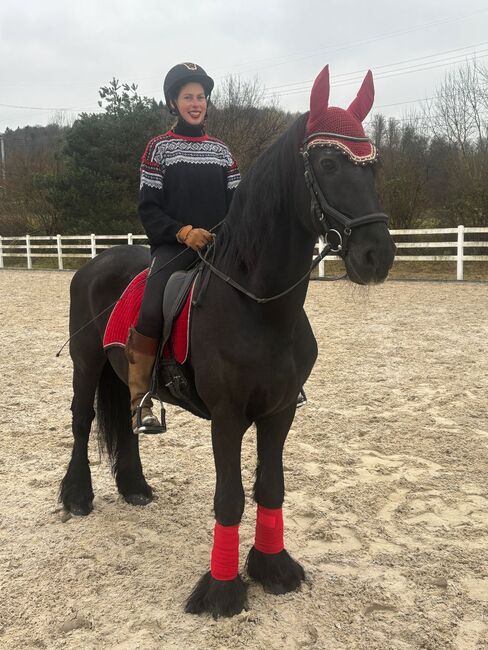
<point>187,182</point>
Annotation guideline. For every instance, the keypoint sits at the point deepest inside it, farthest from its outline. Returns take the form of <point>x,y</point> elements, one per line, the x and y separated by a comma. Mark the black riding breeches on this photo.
<point>166,259</point>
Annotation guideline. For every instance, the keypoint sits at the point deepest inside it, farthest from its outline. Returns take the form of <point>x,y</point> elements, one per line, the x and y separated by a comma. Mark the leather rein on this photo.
<point>319,208</point>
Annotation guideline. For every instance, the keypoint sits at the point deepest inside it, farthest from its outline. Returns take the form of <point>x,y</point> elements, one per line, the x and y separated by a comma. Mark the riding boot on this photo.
<point>141,353</point>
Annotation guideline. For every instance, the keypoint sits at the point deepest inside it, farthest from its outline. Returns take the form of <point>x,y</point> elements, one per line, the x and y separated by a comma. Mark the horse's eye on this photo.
<point>328,165</point>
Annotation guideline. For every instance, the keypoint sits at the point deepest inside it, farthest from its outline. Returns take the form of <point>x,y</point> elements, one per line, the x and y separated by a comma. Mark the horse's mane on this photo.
<point>266,189</point>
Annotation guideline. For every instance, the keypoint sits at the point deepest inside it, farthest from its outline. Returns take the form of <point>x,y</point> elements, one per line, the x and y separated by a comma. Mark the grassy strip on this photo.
<point>473,271</point>
<point>45,263</point>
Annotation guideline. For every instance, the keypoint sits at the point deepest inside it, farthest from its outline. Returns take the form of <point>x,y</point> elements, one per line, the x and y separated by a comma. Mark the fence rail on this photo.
<point>454,240</point>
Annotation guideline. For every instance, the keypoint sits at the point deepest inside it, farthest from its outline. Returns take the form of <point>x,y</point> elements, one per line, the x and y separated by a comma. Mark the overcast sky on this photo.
<point>55,55</point>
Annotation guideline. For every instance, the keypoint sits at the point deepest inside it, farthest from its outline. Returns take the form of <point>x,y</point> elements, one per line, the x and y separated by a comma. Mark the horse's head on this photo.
<point>339,170</point>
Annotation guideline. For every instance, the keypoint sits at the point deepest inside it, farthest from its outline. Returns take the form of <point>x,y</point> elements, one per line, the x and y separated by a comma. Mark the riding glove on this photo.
<point>194,238</point>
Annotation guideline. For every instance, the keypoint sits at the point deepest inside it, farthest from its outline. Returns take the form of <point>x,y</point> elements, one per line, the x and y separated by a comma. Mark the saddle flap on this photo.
<point>174,297</point>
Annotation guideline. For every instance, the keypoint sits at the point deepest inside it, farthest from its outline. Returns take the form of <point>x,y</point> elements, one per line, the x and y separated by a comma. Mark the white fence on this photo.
<point>458,241</point>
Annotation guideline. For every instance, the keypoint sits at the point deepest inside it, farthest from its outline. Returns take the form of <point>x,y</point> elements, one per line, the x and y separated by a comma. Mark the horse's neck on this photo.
<point>282,259</point>
<point>283,256</point>
<point>272,248</point>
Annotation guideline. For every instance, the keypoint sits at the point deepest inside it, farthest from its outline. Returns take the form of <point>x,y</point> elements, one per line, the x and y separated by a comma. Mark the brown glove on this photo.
<point>194,238</point>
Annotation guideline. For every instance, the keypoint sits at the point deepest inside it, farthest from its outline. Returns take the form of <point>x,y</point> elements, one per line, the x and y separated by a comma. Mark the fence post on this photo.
<point>60,252</point>
<point>1,253</point>
<point>460,252</point>
<point>129,238</point>
<point>28,251</point>
<point>93,245</point>
<point>321,246</point>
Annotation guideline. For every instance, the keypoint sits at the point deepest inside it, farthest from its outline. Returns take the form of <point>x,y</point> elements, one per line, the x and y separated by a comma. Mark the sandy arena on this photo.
<point>386,473</point>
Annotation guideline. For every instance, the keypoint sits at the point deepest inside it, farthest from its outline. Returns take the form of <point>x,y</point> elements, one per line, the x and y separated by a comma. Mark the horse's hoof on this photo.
<point>279,573</point>
<point>217,597</point>
<point>79,510</point>
<point>137,499</point>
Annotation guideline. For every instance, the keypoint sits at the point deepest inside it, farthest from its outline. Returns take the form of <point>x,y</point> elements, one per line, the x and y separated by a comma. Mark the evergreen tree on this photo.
<point>97,189</point>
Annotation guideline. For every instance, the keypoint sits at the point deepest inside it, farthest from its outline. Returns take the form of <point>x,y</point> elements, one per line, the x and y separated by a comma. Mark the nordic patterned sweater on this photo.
<point>187,177</point>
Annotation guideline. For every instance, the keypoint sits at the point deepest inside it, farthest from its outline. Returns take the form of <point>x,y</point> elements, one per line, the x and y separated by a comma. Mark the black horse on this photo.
<point>248,359</point>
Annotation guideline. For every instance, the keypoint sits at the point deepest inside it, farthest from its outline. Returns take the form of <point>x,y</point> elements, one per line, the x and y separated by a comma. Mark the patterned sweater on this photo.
<point>185,179</point>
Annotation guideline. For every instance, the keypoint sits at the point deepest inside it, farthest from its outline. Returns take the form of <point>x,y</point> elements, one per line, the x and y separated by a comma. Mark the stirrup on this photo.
<point>150,424</point>
<point>301,399</point>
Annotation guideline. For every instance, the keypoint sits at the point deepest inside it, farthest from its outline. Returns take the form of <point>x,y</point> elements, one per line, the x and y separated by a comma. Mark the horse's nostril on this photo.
<point>371,258</point>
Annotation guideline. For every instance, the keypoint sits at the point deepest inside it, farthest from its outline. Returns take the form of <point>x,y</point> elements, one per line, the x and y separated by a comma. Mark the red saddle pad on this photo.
<point>126,312</point>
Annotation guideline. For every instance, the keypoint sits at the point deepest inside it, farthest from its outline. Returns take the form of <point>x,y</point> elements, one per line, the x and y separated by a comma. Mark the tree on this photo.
<point>31,156</point>
<point>458,110</point>
<point>241,119</point>
<point>98,188</point>
<point>403,175</point>
<point>459,117</point>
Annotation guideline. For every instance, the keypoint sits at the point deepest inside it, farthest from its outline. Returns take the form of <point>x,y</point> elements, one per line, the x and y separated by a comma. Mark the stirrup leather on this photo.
<point>149,424</point>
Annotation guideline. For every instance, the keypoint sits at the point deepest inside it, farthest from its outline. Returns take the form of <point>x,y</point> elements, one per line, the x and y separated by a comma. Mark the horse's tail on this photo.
<point>113,413</point>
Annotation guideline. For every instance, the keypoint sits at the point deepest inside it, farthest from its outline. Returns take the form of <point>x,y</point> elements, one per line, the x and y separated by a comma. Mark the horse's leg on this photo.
<point>76,493</point>
<point>268,562</point>
<point>128,468</point>
<point>115,430</point>
<point>221,591</point>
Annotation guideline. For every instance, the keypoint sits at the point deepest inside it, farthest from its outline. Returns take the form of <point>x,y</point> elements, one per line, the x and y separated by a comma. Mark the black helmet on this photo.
<point>185,73</point>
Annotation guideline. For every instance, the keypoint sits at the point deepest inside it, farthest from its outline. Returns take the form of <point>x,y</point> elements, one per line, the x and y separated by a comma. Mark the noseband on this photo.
<point>320,207</point>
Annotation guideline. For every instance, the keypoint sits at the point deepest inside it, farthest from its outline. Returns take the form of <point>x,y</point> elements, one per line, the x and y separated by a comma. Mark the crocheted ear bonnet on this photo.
<point>330,126</point>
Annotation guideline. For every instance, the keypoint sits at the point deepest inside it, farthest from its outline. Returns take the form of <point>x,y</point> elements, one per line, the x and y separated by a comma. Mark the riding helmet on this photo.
<point>181,74</point>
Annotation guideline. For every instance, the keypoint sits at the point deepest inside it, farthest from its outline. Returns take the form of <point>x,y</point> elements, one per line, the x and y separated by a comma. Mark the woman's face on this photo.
<point>192,104</point>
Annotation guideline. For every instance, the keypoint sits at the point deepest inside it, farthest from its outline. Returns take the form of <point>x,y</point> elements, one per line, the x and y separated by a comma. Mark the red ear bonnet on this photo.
<point>326,124</point>
<point>361,106</point>
<point>319,97</point>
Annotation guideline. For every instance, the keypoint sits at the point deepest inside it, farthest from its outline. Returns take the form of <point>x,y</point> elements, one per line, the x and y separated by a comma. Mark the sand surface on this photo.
<point>386,476</point>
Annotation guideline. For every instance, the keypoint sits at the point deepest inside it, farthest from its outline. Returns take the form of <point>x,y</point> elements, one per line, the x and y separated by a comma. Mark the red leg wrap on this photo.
<point>224,564</point>
<point>269,530</point>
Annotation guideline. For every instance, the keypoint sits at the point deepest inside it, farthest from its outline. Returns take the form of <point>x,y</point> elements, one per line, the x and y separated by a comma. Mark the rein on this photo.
<point>325,251</point>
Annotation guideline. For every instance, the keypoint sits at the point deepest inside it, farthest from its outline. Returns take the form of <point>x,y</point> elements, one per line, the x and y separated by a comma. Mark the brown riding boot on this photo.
<point>141,353</point>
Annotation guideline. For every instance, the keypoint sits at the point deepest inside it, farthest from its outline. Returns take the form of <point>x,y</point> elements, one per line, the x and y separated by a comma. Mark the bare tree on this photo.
<point>377,129</point>
<point>458,111</point>
<point>241,118</point>
<point>404,172</point>
<point>32,157</point>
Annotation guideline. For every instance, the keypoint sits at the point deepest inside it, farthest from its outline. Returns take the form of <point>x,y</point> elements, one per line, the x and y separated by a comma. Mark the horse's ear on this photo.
<point>319,97</point>
<point>361,106</point>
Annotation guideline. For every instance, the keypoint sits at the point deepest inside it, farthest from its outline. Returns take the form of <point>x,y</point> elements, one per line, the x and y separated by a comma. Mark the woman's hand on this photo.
<point>194,238</point>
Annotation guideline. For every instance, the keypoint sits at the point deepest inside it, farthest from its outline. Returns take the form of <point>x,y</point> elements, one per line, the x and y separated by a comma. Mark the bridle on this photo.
<point>320,207</point>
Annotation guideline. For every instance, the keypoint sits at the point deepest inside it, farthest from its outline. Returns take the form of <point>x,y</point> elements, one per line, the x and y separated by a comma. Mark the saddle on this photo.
<point>177,301</point>
<point>173,377</point>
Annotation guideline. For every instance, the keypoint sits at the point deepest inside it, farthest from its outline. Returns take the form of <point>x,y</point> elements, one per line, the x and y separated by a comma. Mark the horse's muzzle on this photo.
<point>369,259</point>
